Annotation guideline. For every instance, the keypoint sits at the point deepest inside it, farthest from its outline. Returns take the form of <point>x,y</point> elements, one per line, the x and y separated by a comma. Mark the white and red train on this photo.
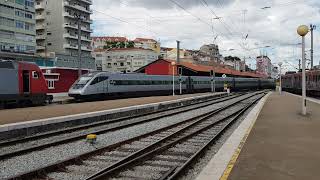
<point>291,82</point>
<point>22,83</point>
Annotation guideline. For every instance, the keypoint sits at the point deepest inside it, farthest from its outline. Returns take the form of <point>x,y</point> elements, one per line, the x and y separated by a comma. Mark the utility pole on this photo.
<point>179,69</point>
<point>178,52</point>
<point>312,27</point>
<point>79,43</point>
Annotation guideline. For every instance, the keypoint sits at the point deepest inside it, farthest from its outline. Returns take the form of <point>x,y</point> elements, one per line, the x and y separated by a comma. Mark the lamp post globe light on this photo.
<point>173,64</point>
<point>302,31</point>
<point>280,83</point>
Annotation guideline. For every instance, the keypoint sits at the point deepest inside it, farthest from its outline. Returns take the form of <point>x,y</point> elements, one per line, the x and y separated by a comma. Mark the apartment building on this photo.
<point>57,31</point>
<point>146,43</point>
<point>123,59</point>
<point>17,27</point>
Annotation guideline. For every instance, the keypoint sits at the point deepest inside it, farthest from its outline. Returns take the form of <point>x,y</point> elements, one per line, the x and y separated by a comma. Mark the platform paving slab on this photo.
<point>283,144</point>
<point>220,161</point>
<point>8,116</point>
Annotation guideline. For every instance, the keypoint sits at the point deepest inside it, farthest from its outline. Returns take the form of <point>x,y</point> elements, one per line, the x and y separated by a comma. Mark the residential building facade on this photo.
<point>212,51</point>
<point>57,31</point>
<point>123,59</point>
<point>104,42</point>
<point>17,27</point>
<point>146,43</point>
<point>264,65</point>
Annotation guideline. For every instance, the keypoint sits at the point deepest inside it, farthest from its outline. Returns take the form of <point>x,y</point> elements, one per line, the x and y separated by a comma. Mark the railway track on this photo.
<point>20,146</point>
<point>161,154</point>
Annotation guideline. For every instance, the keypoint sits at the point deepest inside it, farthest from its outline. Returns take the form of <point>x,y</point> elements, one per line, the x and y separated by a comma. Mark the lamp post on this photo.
<point>280,84</point>
<point>302,31</point>
<point>173,64</point>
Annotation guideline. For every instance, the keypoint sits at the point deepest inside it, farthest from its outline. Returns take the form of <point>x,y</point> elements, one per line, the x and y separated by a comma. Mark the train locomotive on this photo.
<point>292,82</point>
<point>102,84</point>
<point>22,83</point>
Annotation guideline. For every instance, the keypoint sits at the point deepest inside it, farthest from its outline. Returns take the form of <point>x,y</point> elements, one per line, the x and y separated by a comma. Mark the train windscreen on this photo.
<point>82,82</point>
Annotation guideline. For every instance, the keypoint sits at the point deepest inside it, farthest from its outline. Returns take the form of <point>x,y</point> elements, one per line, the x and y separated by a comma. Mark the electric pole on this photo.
<point>312,27</point>
<point>78,17</point>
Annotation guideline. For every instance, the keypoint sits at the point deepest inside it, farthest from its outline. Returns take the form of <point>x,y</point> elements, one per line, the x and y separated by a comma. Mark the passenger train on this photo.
<point>22,83</point>
<point>291,82</point>
<point>98,84</point>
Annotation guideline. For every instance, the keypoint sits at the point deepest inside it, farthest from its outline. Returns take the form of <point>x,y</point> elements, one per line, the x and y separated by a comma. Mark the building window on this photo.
<point>20,24</point>
<point>29,16</point>
<point>121,64</point>
<point>50,84</point>
<point>29,3</point>
<point>21,2</point>
<point>29,26</point>
<point>115,64</point>
<point>20,13</point>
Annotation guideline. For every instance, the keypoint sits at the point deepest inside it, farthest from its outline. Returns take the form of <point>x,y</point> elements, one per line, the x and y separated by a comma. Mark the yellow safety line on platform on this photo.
<point>236,154</point>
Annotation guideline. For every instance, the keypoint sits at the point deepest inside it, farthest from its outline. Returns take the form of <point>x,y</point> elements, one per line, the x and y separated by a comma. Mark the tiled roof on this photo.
<point>129,49</point>
<point>144,40</point>
<point>110,39</point>
<point>217,69</point>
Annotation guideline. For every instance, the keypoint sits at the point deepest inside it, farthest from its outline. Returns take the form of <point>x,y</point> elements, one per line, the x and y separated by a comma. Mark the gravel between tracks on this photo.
<point>27,162</point>
<point>18,146</point>
<point>196,168</point>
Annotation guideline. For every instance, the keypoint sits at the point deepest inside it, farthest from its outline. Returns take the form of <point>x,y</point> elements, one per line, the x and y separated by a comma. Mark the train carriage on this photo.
<point>22,83</point>
<point>103,84</point>
<point>292,82</point>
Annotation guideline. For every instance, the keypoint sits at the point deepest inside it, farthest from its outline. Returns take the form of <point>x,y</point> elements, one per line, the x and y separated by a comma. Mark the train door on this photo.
<point>189,85</point>
<point>106,85</point>
<point>26,81</point>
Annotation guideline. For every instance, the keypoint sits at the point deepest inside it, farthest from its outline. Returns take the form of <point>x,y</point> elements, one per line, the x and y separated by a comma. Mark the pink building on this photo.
<point>264,65</point>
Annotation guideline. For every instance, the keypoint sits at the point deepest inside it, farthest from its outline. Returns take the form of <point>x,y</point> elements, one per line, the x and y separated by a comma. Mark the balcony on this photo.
<point>67,14</point>
<point>88,21</point>
<point>77,7</point>
<point>40,37</point>
<point>40,26</point>
<point>74,46</point>
<point>70,46</point>
<point>39,6</point>
<point>86,39</point>
<point>40,47</point>
<point>87,1</point>
<point>68,25</point>
<point>40,17</point>
<point>72,36</point>
<point>86,29</point>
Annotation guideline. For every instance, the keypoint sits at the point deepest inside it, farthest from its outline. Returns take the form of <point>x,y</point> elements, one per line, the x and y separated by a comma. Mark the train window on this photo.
<point>50,84</point>
<point>99,79</point>
<point>35,75</point>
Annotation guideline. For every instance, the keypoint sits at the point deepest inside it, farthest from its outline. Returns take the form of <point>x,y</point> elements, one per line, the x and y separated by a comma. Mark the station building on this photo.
<point>165,67</point>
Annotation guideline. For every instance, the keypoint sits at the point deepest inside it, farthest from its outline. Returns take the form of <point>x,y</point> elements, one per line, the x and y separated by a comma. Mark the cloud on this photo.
<point>162,20</point>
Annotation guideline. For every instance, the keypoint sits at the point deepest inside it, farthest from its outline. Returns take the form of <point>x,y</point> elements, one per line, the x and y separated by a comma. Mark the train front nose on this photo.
<point>75,92</point>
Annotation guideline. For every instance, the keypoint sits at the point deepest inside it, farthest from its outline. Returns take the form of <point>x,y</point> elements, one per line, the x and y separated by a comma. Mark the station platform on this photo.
<point>280,144</point>
<point>22,115</point>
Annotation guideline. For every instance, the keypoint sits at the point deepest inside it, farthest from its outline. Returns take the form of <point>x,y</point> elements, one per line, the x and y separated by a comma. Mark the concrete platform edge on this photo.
<point>308,98</point>
<point>91,115</point>
<point>222,163</point>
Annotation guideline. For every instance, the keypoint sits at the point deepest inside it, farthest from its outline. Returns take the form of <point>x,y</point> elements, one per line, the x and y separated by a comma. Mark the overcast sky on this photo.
<point>198,22</point>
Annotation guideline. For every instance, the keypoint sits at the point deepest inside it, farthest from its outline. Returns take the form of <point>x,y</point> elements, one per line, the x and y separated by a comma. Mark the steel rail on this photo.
<point>76,159</point>
<point>150,151</point>
<point>78,137</point>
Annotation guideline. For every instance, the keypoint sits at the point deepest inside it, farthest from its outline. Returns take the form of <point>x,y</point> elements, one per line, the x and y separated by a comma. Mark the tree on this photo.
<point>130,44</point>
